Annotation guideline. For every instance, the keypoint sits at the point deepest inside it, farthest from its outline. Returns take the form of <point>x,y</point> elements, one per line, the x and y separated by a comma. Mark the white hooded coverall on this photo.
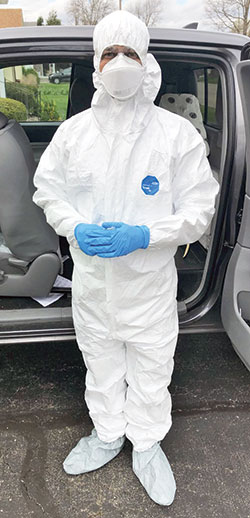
<point>124,308</point>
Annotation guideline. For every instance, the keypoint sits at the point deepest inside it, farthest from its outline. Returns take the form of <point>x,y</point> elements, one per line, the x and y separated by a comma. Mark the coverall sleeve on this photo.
<point>194,190</point>
<point>51,193</point>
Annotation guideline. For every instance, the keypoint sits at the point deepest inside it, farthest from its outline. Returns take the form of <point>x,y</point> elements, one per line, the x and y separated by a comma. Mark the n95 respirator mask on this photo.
<point>122,77</point>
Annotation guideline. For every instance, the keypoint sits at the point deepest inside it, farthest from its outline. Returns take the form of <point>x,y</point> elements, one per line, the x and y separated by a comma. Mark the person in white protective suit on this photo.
<point>126,182</point>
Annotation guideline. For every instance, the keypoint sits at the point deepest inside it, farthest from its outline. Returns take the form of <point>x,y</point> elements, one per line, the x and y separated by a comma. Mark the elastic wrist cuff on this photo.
<point>146,233</point>
<point>75,229</point>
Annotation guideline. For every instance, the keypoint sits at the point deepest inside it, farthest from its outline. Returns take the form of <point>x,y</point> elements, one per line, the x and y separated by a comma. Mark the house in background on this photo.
<point>11,17</point>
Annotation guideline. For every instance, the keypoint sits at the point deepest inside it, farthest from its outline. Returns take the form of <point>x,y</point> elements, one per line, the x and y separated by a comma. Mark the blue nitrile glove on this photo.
<point>124,239</point>
<point>85,233</point>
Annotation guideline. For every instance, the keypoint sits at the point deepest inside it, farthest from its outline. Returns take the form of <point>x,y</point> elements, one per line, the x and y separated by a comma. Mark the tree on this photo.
<point>89,12</point>
<point>52,18</point>
<point>232,15</point>
<point>149,11</point>
<point>40,20</point>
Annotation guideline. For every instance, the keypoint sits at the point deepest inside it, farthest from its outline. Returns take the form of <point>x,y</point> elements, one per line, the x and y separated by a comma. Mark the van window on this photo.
<point>36,92</point>
<point>200,79</point>
<point>208,82</point>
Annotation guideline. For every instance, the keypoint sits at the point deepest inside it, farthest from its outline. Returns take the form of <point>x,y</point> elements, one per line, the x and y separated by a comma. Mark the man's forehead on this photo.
<point>116,47</point>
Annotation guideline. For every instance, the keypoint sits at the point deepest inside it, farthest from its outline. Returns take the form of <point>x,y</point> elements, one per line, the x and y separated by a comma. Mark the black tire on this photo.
<point>56,81</point>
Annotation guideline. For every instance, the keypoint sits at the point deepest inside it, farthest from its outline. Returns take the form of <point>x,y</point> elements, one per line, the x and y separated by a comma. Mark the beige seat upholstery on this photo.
<point>188,106</point>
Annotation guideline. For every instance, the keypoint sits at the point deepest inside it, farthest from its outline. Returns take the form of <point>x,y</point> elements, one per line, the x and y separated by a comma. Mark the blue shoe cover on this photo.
<point>91,453</point>
<point>155,474</point>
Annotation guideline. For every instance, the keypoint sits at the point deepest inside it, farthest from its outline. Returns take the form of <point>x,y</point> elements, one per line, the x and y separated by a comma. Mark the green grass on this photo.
<point>211,80</point>
<point>58,93</point>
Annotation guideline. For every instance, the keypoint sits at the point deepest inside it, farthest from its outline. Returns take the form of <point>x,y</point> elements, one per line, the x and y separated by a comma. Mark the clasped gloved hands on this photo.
<point>112,239</point>
<point>85,233</point>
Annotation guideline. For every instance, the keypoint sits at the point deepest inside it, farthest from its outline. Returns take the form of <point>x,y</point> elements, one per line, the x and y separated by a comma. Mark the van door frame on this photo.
<point>235,308</point>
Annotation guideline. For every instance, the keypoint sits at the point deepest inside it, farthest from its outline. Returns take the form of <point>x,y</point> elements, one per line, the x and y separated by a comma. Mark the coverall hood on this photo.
<point>112,115</point>
<point>121,28</point>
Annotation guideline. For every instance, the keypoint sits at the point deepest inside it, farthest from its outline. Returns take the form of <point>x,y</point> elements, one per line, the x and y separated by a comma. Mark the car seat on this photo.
<point>80,95</point>
<point>188,106</point>
<point>29,254</point>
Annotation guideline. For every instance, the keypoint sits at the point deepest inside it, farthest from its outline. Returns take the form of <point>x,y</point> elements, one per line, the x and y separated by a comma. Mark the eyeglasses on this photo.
<point>112,52</point>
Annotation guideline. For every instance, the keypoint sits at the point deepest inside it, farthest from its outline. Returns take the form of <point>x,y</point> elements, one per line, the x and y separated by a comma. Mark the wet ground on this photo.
<point>43,415</point>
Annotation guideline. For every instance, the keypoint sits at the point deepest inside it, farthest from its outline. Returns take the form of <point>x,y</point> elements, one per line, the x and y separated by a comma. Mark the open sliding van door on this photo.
<point>235,310</point>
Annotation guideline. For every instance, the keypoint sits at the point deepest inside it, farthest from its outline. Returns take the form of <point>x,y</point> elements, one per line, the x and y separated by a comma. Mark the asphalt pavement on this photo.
<point>43,415</point>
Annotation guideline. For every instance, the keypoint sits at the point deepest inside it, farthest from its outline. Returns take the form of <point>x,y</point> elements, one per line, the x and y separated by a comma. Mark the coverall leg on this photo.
<point>148,402</point>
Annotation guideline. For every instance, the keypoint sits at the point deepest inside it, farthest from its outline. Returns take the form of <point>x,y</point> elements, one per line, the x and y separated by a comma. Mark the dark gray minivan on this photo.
<point>205,78</point>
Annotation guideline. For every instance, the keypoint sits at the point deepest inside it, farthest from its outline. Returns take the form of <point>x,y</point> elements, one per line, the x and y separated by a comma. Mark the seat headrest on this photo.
<point>3,120</point>
<point>188,106</point>
<point>81,93</point>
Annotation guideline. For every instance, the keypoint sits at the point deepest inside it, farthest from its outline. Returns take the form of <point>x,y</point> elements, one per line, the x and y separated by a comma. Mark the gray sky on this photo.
<point>177,13</point>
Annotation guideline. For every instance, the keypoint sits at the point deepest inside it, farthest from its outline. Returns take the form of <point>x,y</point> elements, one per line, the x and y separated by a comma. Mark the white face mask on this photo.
<point>122,77</point>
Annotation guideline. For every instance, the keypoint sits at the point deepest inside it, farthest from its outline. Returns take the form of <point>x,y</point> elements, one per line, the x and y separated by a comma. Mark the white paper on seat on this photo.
<point>61,282</point>
<point>3,248</point>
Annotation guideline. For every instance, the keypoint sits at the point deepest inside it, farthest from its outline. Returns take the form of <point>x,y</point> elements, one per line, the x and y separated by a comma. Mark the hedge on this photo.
<point>13,109</point>
<point>26,94</point>
<point>27,71</point>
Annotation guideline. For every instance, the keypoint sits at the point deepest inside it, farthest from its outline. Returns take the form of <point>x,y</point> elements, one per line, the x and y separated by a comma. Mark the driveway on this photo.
<point>43,415</point>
